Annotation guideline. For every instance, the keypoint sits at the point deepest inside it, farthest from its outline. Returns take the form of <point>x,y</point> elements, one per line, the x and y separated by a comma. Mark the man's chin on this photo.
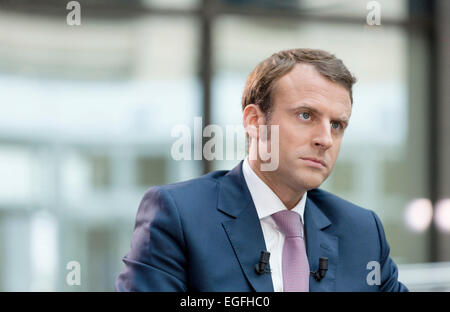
<point>311,187</point>
<point>312,184</point>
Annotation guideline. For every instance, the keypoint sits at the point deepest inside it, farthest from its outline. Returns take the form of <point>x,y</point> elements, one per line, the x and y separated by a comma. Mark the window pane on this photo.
<point>91,110</point>
<point>175,4</point>
<point>340,8</point>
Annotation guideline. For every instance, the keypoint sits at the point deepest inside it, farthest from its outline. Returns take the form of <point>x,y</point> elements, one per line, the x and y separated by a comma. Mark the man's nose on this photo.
<point>322,136</point>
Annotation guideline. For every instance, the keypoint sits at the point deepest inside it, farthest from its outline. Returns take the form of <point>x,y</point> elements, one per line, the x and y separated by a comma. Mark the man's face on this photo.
<point>312,113</point>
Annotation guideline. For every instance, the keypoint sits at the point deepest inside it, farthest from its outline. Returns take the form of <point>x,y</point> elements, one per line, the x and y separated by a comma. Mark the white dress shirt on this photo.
<point>268,203</point>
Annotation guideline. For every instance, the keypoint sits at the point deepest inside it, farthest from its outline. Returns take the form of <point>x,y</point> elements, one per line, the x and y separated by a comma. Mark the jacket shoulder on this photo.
<point>194,184</point>
<point>339,209</point>
<point>193,192</point>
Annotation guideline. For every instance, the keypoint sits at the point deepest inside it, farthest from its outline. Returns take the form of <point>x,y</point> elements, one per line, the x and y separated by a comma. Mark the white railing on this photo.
<point>433,276</point>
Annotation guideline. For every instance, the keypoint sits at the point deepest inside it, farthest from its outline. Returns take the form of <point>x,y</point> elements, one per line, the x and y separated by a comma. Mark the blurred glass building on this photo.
<point>88,112</point>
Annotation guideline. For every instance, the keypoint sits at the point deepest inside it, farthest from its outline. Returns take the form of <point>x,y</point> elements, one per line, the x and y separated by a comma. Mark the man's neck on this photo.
<point>287,195</point>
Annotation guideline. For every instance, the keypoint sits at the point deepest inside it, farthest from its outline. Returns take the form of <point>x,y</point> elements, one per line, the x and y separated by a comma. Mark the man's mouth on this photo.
<point>314,162</point>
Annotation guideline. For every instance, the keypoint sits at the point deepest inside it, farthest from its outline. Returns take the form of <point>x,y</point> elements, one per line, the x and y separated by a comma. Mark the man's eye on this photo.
<point>335,125</point>
<point>305,115</point>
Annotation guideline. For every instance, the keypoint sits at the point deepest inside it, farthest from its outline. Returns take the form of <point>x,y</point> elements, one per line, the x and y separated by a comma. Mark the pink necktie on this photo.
<point>294,259</point>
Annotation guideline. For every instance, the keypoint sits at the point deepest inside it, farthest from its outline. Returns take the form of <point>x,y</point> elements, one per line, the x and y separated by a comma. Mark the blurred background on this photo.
<point>87,113</point>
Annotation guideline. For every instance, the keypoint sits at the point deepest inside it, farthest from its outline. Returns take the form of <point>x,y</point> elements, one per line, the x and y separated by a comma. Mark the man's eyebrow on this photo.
<point>343,119</point>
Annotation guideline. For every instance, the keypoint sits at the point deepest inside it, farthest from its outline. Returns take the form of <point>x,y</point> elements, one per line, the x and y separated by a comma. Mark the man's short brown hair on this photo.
<point>261,81</point>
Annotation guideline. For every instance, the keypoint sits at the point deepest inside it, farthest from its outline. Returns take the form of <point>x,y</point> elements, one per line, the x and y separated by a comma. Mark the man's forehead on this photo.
<point>303,84</point>
<point>306,77</point>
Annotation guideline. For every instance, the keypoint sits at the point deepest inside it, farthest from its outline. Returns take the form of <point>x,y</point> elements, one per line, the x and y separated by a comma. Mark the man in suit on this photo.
<point>207,234</point>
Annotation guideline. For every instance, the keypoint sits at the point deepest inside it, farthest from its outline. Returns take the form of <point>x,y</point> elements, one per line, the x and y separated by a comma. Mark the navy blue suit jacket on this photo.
<point>204,235</point>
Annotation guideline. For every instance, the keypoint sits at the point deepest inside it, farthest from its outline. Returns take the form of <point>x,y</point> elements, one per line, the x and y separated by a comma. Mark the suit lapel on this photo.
<point>243,228</point>
<point>319,243</point>
<point>244,232</point>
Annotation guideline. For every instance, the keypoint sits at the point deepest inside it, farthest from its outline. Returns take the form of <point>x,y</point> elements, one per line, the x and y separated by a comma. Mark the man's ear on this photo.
<point>253,117</point>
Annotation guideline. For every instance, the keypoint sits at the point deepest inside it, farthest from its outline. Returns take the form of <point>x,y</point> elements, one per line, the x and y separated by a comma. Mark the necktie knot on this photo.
<point>289,222</point>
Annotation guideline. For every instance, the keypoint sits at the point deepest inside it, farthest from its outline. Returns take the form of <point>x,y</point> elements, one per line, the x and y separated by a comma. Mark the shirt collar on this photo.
<point>265,200</point>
